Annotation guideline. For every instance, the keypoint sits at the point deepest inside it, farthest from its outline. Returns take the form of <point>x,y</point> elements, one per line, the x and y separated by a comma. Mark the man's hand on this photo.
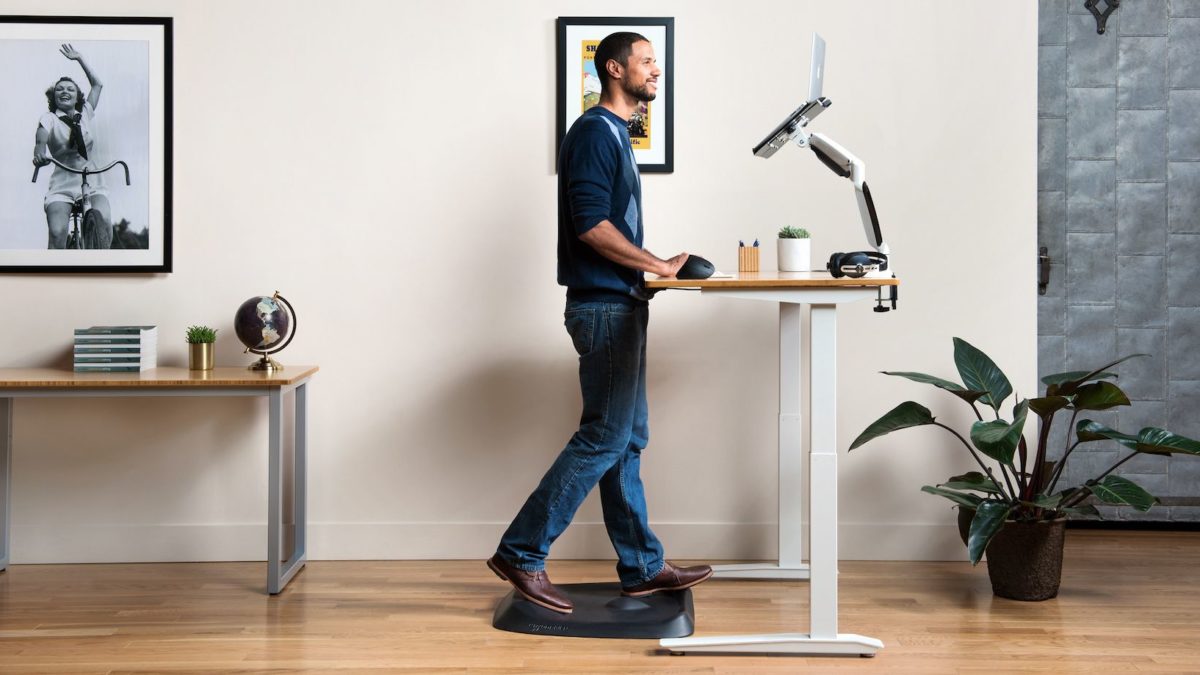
<point>670,266</point>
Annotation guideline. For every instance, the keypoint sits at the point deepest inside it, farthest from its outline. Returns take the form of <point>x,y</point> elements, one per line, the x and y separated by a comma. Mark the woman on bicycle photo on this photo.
<point>66,133</point>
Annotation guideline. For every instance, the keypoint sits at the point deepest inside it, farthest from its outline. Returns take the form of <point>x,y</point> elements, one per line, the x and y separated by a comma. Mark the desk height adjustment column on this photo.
<point>791,563</point>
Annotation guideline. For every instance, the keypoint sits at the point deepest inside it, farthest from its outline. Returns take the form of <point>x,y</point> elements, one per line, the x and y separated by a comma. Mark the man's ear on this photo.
<point>614,69</point>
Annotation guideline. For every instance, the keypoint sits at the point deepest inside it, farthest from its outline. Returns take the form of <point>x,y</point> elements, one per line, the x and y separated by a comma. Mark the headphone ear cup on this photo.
<point>835,265</point>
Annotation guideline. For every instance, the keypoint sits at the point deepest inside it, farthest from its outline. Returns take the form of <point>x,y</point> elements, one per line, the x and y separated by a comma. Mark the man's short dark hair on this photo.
<point>616,47</point>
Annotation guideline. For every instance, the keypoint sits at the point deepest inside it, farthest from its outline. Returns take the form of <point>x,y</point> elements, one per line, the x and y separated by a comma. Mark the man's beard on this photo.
<point>641,93</point>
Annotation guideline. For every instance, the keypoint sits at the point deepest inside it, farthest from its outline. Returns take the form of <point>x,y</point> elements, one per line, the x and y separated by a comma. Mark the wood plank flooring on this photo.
<point>1130,602</point>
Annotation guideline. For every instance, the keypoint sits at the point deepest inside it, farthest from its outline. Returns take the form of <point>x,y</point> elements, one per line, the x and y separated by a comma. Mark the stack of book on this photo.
<point>115,349</point>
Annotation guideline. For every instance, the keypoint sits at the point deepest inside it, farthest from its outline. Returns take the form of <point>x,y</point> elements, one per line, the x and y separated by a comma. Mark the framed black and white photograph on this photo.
<point>85,142</point>
<point>651,129</point>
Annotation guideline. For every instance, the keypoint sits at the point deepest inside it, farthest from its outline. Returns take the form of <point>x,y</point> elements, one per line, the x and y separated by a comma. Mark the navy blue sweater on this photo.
<point>598,180</point>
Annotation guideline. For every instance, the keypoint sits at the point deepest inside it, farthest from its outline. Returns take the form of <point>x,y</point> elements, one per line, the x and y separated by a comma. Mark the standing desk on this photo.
<point>227,381</point>
<point>793,290</point>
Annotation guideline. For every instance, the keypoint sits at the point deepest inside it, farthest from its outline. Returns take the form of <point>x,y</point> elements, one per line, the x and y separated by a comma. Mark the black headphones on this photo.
<point>856,264</point>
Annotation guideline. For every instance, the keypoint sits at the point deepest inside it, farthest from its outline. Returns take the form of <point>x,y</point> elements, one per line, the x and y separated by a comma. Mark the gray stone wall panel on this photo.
<point>1091,58</point>
<point>1183,197</point>
<point>1141,218</point>
<point>1091,196</point>
<point>1052,154</point>
<point>1183,345</point>
<point>1141,291</point>
<point>1142,76</point>
<point>1183,53</point>
<point>1184,129</point>
<point>1141,145</point>
<point>1183,271</point>
<point>1143,378</point>
<point>1142,17</point>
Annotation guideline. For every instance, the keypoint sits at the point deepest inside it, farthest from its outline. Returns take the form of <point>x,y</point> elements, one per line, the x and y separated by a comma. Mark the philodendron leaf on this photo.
<point>998,439</point>
<point>1162,442</point>
<point>980,373</point>
<point>1118,490</point>
<point>989,518</point>
<point>903,416</point>
<point>973,480</point>
<point>963,498</point>
<point>968,395</point>
<point>1089,431</point>
<point>1084,510</point>
<point>1075,376</point>
<point>1048,405</point>
<point>1099,396</point>
<point>1067,383</point>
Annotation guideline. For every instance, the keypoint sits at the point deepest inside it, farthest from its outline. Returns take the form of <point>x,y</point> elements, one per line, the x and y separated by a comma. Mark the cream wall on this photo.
<point>389,168</point>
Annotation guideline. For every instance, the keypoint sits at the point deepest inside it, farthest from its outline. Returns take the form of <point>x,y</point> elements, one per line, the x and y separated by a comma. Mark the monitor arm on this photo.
<point>843,163</point>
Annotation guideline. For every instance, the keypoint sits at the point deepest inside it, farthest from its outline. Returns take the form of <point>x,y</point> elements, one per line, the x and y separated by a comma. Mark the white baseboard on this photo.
<point>447,541</point>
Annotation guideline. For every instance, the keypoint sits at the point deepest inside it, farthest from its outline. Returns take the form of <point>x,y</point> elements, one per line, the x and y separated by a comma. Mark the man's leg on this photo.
<point>639,552</point>
<point>606,336</point>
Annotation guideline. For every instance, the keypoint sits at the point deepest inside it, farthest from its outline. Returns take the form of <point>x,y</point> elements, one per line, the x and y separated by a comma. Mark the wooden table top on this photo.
<point>224,376</point>
<point>771,279</point>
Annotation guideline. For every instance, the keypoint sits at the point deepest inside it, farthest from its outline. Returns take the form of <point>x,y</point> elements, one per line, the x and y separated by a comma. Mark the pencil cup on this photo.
<point>747,258</point>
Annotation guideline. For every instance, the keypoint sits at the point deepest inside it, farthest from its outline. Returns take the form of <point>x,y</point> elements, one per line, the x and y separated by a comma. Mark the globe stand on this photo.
<point>265,363</point>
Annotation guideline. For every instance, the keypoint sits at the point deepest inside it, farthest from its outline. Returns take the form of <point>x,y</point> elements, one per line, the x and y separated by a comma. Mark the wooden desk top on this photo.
<point>771,279</point>
<point>225,376</point>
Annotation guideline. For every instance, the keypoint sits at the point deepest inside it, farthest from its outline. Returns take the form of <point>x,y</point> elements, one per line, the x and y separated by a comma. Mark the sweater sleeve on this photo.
<point>592,164</point>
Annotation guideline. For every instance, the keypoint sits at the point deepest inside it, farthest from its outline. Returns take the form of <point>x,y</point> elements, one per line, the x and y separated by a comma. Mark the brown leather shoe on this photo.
<point>671,578</point>
<point>533,586</point>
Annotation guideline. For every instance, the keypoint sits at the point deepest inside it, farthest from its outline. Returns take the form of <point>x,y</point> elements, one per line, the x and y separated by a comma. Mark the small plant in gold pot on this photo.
<point>200,341</point>
<point>1014,507</point>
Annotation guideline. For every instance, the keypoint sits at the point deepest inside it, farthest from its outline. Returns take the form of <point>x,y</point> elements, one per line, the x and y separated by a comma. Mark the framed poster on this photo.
<point>651,129</point>
<point>87,116</point>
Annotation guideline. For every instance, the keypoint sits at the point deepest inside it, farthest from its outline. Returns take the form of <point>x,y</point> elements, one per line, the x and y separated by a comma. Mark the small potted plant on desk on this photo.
<point>1018,517</point>
<point>795,249</point>
<point>200,341</point>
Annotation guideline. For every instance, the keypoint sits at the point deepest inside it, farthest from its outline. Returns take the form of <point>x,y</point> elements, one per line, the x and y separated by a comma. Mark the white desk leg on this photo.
<point>6,405</point>
<point>280,570</point>
<point>791,460</point>
<point>822,637</point>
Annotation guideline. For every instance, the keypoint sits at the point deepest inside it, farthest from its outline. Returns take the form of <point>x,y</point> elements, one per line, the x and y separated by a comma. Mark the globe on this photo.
<point>265,324</point>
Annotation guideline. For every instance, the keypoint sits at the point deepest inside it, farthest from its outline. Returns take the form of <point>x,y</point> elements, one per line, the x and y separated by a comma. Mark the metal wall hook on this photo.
<point>1110,6</point>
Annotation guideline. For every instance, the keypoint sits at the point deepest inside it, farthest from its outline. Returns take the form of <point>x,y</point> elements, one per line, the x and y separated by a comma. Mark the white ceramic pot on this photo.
<point>794,255</point>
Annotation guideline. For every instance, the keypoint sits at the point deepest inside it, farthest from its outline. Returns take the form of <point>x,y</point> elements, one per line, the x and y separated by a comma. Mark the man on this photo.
<point>601,262</point>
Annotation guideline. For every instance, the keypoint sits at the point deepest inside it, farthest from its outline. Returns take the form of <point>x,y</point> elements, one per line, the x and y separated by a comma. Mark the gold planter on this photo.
<point>200,355</point>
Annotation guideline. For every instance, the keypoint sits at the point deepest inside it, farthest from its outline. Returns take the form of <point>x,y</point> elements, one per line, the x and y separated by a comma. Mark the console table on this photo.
<point>791,291</point>
<point>227,381</point>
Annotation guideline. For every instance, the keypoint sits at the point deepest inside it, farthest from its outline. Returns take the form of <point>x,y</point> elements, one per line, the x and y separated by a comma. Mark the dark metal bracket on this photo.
<point>1110,6</point>
<point>1044,263</point>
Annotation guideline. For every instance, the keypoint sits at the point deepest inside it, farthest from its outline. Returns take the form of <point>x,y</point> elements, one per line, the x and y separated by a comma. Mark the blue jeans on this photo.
<point>610,339</point>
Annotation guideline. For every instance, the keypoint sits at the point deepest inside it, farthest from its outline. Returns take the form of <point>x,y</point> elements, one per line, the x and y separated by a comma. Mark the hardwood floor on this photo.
<point>1130,602</point>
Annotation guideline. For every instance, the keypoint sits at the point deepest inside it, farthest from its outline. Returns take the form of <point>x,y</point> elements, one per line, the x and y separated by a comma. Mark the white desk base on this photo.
<point>776,643</point>
<point>823,637</point>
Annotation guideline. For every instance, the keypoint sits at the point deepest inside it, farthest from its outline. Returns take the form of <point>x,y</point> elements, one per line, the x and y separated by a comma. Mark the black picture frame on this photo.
<point>135,127</point>
<point>572,91</point>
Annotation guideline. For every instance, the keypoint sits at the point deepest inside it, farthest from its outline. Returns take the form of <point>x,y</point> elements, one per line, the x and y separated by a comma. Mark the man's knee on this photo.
<point>603,437</point>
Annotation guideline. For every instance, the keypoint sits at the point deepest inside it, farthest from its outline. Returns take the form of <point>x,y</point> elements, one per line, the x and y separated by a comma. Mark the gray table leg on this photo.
<point>6,405</point>
<point>280,570</point>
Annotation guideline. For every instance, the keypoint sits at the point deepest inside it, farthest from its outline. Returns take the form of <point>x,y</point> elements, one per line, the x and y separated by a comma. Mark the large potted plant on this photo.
<point>1015,504</point>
